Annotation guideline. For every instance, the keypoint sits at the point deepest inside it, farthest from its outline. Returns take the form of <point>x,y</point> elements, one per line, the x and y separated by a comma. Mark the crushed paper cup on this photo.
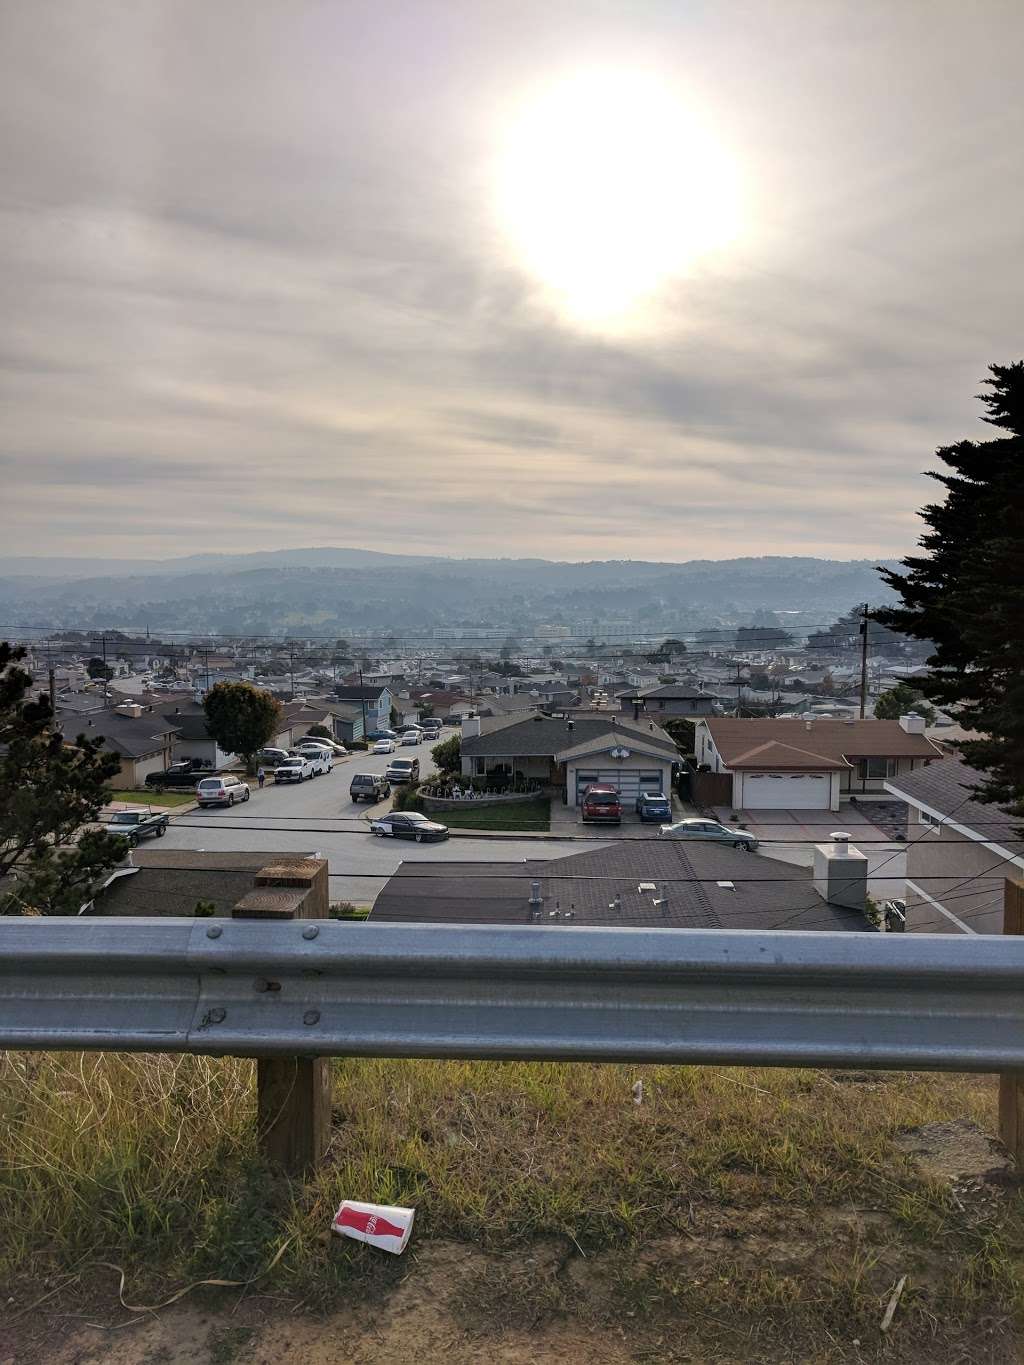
<point>381,1225</point>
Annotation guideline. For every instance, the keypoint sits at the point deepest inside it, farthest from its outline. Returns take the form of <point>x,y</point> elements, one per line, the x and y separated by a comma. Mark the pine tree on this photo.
<point>966,592</point>
<point>49,791</point>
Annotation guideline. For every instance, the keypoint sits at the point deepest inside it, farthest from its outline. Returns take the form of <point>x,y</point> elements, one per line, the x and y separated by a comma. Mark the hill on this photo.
<point>344,590</point>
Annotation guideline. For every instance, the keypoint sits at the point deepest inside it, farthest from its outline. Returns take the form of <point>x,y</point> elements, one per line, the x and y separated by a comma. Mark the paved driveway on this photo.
<point>790,835</point>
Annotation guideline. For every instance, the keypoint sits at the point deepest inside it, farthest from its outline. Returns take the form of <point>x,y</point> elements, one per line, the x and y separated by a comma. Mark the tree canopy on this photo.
<point>49,790</point>
<point>448,754</point>
<point>965,592</point>
<point>903,700</point>
<point>242,718</point>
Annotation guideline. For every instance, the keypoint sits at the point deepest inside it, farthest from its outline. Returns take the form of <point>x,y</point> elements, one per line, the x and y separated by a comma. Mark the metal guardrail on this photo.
<point>302,988</point>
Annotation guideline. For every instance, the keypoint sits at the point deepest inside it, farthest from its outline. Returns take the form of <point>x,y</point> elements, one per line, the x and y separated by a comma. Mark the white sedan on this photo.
<point>411,737</point>
<point>384,746</point>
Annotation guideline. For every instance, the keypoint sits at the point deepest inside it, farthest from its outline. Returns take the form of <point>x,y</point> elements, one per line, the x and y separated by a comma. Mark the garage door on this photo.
<point>628,781</point>
<point>786,791</point>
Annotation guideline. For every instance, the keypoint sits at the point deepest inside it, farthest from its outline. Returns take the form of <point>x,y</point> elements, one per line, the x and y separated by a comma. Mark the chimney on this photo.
<point>841,873</point>
<point>470,727</point>
<point>913,725</point>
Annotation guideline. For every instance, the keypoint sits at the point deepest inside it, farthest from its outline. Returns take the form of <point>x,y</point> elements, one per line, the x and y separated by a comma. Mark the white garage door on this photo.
<point>629,782</point>
<point>786,791</point>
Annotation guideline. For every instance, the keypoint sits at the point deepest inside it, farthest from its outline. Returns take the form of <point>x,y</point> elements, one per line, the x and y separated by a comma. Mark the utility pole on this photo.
<point>863,660</point>
<point>291,671</point>
<point>206,661</point>
<point>106,690</point>
<point>739,689</point>
<point>362,699</point>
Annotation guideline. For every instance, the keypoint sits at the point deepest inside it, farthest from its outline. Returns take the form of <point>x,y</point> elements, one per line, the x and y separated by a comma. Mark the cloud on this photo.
<point>252,283</point>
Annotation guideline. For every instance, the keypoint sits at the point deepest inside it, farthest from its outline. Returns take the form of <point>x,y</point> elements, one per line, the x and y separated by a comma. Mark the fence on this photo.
<point>290,992</point>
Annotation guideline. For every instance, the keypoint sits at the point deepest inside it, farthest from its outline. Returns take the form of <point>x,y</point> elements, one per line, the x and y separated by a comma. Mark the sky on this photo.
<point>650,279</point>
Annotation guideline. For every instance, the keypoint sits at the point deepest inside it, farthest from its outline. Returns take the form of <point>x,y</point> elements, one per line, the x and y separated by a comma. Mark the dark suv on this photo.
<point>601,806</point>
<point>369,787</point>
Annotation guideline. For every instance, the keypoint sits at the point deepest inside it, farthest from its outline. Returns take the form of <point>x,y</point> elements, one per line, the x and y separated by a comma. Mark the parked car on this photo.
<point>382,734</point>
<point>412,737</point>
<point>322,759</point>
<point>601,805</point>
<point>653,806</point>
<point>295,769</point>
<point>384,746</point>
<point>184,774</point>
<point>322,742</point>
<point>270,758</point>
<point>403,770</point>
<point>408,824</point>
<point>711,829</point>
<point>221,791</point>
<point>369,787</point>
<point>134,825</point>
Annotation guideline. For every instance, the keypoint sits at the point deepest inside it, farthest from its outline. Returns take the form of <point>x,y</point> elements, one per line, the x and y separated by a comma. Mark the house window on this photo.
<point>873,768</point>
<point>478,767</point>
<point>930,821</point>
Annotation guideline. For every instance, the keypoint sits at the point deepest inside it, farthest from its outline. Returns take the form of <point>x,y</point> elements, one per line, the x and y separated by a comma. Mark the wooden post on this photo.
<point>1011,1083</point>
<point>293,1094</point>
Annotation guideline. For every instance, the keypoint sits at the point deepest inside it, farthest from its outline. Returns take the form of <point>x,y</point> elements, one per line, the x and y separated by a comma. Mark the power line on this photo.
<point>533,836</point>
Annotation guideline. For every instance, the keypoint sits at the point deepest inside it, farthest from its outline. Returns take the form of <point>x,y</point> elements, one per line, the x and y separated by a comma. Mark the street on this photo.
<point>319,817</point>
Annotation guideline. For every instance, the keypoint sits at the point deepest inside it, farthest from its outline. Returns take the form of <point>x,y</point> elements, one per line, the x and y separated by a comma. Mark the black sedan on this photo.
<point>408,825</point>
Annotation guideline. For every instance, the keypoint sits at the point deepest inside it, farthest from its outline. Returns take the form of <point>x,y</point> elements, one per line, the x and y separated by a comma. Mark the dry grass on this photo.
<point>778,1196</point>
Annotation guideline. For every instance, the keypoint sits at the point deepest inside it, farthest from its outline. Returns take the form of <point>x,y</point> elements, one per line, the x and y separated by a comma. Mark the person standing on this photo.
<point>261,777</point>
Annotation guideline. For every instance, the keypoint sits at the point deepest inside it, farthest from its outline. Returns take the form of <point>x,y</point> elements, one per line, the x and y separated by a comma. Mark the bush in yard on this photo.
<point>242,719</point>
<point>319,732</point>
<point>407,797</point>
<point>448,754</point>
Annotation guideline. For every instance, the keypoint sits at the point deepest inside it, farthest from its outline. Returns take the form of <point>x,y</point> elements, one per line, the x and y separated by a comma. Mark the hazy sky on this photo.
<point>582,280</point>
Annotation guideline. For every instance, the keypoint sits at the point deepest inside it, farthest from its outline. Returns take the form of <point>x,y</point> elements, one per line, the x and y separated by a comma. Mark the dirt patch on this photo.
<point>956,1151</point>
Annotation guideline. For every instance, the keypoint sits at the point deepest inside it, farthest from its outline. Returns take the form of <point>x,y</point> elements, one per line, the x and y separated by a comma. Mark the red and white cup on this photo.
<point>381,1225</point>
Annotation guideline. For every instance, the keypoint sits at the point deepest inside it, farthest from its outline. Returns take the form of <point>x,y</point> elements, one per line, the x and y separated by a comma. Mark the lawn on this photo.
<point>526,816</point>
<point>740,1214</point>
<point>152,798</point>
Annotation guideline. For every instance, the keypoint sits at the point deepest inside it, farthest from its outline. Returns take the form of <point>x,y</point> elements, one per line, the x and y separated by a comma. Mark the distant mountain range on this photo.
<point>341,590</point>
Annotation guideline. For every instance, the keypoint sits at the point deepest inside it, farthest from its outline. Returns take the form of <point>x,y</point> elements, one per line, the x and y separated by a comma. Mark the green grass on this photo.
<point>737,1213</point>
<point>155,798</point>
<point>527,816</point>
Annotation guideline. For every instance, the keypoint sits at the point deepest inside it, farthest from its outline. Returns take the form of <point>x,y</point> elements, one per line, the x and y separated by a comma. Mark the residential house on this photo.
<point>791,764</point>
<point>343,722</point>
<point>959,851</point>
<point>192,739</point>
<point>640,884</point>
<point>143,740</point>
<point>374,700</point>
<point>667,700</point>
<point>571,753</point>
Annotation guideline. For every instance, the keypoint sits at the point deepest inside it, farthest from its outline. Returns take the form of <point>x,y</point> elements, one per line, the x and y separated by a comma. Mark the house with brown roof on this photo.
<point>811,763</point>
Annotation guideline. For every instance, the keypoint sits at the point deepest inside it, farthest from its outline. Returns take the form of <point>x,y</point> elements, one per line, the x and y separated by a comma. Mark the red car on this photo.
<point>601,806</point>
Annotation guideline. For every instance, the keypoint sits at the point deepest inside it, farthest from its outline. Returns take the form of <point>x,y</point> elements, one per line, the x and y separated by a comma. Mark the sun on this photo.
<point>607,187</point>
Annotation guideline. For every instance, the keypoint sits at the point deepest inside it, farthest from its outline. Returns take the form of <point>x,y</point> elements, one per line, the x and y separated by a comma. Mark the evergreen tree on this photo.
<point>49,790</point>
<point>966,591</point>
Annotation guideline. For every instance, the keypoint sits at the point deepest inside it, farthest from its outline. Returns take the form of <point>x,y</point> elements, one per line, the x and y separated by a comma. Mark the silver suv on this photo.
<point>221,791</point>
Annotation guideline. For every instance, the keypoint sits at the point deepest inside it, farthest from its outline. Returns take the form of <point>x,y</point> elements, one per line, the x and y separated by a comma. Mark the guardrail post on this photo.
<point>1011,1083</point>
<point>293,1094</point>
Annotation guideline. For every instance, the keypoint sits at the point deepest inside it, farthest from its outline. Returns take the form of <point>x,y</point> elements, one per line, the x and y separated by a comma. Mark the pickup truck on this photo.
<point>184,774</point>
<point>134,825</point>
